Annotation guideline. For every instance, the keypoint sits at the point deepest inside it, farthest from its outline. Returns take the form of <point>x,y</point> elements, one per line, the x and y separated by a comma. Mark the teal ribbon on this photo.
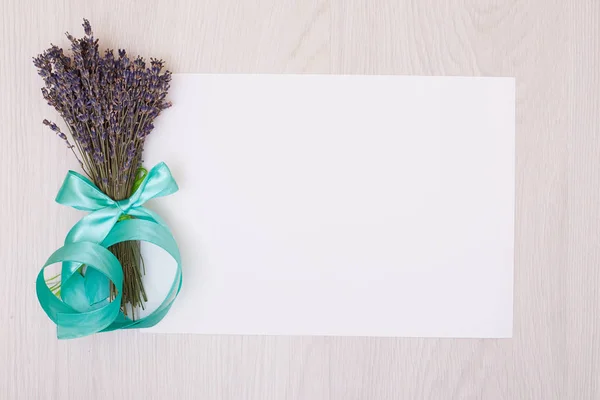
<point>84,308</point>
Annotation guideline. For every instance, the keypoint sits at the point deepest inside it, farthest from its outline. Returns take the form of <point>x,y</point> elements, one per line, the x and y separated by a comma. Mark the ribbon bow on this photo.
<point>83,308</point>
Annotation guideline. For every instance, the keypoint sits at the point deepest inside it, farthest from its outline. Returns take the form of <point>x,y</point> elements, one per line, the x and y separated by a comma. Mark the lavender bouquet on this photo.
<point>108,103</point>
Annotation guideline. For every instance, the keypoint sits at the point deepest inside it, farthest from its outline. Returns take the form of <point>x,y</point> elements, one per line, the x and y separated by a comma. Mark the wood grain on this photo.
<point>551,46</point>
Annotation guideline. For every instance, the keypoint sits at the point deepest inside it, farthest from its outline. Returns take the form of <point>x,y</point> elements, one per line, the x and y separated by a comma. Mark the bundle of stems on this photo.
<point>108,103</point>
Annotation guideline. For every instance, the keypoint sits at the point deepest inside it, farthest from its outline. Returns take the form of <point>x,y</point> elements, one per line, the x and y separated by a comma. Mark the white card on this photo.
<point>338,205</point>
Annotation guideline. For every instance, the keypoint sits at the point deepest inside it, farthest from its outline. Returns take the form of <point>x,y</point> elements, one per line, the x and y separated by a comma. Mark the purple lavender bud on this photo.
<point>38,62</point>
<point>87,28</point>
<point>83,117</point>
<point>98,157</point>
<point>144,132</point>
<point>46,122</point>
<point>157,65</point>
<point>86,143</point>
<point>139,62</point>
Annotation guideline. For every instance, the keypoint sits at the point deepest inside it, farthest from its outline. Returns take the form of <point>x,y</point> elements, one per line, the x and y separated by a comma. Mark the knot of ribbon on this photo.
<point>83,307</point>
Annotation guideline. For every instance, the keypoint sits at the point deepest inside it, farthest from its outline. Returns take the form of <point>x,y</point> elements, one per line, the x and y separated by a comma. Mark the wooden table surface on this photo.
<point>552,47</point>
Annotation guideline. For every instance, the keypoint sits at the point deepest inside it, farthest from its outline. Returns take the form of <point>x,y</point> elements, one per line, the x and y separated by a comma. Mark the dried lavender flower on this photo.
<point>87,28</point>
<point>108,104</point>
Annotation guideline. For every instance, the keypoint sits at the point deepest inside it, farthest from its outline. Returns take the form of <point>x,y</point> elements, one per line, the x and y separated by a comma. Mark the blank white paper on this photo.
<point>338,205</point>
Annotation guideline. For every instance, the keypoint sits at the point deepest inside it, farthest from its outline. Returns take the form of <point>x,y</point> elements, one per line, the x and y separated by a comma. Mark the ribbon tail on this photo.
<point>71,322</point>
<point>148,215</point>
<point>152,232</point>
<point>80,291</point>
